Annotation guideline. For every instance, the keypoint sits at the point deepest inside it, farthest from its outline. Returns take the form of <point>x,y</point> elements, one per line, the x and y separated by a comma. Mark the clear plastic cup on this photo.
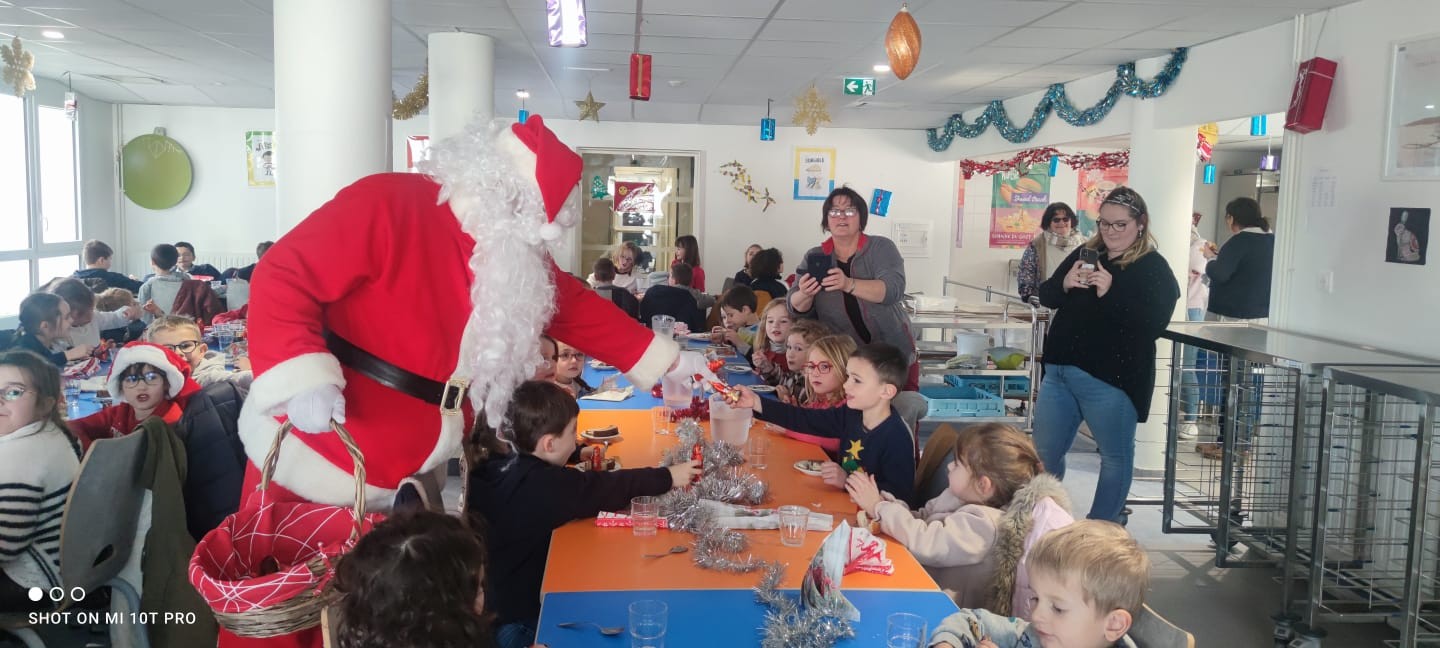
<point>644,515</point>
<point>664,325</point>
<point>755,451</point>
<point>661,420</point>
<point>648,621</point>
<point>794,522</point>
<point>905,630</point>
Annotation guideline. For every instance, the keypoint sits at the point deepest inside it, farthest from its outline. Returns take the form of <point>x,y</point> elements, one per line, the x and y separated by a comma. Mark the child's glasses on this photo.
<point>149,378</point>
<point>570,355</point>
<point>12,394</point>
<point>183,347</point>
<point>822,368</point>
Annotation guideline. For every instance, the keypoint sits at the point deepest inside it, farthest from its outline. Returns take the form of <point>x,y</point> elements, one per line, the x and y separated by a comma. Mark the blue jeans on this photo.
<point>1068,395</point>
<point>1189,393</point>
<point>514,635</point>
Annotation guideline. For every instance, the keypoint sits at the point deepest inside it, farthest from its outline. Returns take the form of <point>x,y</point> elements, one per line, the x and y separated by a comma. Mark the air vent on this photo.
<point>131,79</point>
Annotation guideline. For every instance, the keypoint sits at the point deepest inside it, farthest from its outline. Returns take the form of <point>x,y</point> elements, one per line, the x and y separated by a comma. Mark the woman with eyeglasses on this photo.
<point>1114,296</point>
<point>1058,237</point>
<point>149,380</point>
<point>855,283</point>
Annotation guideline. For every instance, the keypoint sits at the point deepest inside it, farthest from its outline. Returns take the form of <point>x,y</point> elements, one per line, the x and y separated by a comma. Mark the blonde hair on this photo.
<point>1144,244</point>
<point>837,349</point>
<point>1112,569</point>
<point>620,249</point>
<point>771,305</point>
<point>170,323</point>
<point>1001,453</point>
<point>114,299</point>
<point>810,330</point>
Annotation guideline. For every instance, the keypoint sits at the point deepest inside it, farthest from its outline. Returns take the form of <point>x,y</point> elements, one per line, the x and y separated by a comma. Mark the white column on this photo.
<point>1162,169</point>
<point>462,81</point>
<point>332,100</point>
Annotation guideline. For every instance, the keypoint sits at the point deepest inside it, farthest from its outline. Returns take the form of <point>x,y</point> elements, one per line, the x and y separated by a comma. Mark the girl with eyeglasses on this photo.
<point>825,376</point>
<point>569,364</point>
<point>1058,237</point>
<point>1100,352</point>
<point>38,462</point>
<point>803,335</point>
<point>150,380</point>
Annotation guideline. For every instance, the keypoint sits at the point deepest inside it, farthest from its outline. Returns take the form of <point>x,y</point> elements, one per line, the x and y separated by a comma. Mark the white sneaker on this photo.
<point>1188,432</point>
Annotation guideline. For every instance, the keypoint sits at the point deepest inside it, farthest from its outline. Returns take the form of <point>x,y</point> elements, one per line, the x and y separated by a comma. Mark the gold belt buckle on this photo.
<point>452,399</point>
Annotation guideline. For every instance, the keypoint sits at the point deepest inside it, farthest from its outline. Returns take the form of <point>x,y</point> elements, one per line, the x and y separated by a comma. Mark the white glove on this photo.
<point>690,363</point>
<point>312,411</point>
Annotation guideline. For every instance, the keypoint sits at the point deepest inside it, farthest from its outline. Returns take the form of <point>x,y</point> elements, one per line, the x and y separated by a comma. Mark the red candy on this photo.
<point>716,364</point>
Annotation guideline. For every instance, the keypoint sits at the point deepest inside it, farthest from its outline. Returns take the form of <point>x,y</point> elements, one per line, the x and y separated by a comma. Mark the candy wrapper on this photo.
<point>82,369</point>
<point>609,520</point>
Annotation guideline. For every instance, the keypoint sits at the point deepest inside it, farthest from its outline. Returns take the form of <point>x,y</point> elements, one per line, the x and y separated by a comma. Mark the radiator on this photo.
<point>226,260</point>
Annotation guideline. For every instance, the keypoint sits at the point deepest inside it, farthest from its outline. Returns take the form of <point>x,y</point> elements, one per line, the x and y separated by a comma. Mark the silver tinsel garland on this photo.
<point>719,481</point>
<point>787,625</point>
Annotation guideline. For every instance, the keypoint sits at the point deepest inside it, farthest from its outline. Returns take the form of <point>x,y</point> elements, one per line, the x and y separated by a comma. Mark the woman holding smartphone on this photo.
<point>1114,296</point>
<point>855,283</point>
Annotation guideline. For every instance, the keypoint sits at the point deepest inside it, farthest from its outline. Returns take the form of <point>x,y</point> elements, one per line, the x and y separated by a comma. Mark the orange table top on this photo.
<point>584,557</point>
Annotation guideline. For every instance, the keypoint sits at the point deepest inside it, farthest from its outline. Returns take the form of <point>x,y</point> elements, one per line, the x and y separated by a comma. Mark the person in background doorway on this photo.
<point>624,256</point>
<point>687,251</point>
<point>186,263</point>
<point>1058,237</point>
<point>97,274</point>
<point>1240,274</point>
<point>1197,295</point>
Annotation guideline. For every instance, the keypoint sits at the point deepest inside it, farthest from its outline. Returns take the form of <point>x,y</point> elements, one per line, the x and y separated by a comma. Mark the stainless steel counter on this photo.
<point>1306,353</point>
<point>1417,383</point>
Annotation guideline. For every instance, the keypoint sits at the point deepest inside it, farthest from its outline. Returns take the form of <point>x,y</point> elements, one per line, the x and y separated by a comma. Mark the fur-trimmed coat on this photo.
<point>975,551</point>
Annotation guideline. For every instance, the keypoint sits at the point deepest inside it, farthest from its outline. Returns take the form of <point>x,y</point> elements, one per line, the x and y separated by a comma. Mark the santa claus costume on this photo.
<point>432,290</point>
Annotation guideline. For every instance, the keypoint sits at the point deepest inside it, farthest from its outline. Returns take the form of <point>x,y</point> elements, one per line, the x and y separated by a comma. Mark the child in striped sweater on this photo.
<point>38,462</point>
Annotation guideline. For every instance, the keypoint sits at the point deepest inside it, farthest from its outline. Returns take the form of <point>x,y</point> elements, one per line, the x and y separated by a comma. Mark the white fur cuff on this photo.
<point>654,363</point>
<point>274,388</point>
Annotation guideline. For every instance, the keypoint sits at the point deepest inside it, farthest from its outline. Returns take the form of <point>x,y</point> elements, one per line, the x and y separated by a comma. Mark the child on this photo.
<point>98,258</point>
<point>549,351</point>
<point>740,322</point>
<point>38,462</point>
<point>765,271</point>
<point>416,561</point>
<point>1090,579</point>
<point>971,538</point>
<point>114,299</point>
<point>86,320</point>
<point>569,364</point>
<point>159,291</point>
<point>742,278</point>
<point>769,357</point>
<point>872,436</point>
<point>803,334</point>
<point>182,335</point>
<point>823,385</point>
<point>150,380</point>
<point>520,489</point>
<point>44,321</point>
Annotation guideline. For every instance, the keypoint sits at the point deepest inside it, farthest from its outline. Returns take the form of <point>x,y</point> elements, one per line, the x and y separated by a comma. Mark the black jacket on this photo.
<point>205,270</point>
<point>1240,276</point>
<point>99,279</point>
<point>674,301</point>
<point>520,501</point>
<point>771,285</point>
<point>215,458</point>
<point>29,342</point>
<point>622,299</point>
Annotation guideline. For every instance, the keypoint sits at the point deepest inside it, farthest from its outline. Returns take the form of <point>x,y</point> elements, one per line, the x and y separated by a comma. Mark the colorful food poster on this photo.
<point>1095,184</point>
<point>1016,206</point>
<point>260,158</point>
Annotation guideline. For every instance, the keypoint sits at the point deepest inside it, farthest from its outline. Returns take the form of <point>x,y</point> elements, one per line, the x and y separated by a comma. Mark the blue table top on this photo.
<point>642,400</point>
<point>719,617</point>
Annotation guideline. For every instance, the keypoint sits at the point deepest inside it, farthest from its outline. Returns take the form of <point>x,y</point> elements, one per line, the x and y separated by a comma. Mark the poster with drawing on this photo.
<point>260,158</point>
<point>1016,206</point>
<point>1095,184</point>
<point>1408,235</point>
<point>814,173</point>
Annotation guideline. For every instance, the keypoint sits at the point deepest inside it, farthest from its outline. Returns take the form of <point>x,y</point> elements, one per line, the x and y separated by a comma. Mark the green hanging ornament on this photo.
<point>597,188</point>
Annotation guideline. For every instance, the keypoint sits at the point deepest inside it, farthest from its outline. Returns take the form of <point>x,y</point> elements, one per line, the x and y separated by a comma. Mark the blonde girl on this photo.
<point>769,357</point>
<point>803,334</point>
<point>825,378</point>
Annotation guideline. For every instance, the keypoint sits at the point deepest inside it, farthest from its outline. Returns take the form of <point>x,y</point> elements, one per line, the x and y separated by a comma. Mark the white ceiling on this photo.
<point>715,61</point>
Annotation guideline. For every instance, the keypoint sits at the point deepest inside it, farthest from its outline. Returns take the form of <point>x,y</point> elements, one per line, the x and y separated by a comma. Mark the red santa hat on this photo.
<point>557,169</point>
<point>177,371</point>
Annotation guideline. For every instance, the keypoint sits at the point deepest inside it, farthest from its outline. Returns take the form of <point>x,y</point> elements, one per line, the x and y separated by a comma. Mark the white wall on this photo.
<point>1386,304</point>
<point>222,214</point>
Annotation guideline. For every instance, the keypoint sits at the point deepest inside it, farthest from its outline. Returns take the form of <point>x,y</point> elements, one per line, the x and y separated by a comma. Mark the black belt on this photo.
<point>449,396</point>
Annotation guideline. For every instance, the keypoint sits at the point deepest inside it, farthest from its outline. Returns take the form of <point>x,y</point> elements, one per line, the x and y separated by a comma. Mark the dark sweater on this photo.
<point>111,279</point>
<point>29,342</point>
<point>770,285</point>
<point>675,301</point>
<point>1240,276</point>
<point>205,270</point>
<point>885,452</point>
<point>622,299</point>
<point>1113,337</point>
<point>521,502</point>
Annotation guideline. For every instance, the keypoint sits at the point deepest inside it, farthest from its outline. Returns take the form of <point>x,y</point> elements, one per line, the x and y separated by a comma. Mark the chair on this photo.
<point>237,293</point>
<point>18,626</point>
<point>1151,630</point>
<point>911,407</point>
<point>930,478</point>
<point>98,531</point>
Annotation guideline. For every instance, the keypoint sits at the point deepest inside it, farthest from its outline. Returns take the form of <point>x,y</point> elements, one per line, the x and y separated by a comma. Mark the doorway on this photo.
<point>648,198</point>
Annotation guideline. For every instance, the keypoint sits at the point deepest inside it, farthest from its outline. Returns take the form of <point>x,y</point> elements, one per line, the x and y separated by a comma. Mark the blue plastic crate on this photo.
<point>948,400</point>
<point>1015,386</point>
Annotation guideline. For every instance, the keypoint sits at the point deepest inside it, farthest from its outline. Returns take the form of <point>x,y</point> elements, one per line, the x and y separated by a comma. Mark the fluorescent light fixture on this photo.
<point>881,68</point>
<point>1429,106</point>
<point>1269,162</point>
<point>578,68</point>
<point>566,21</point>
<point>523,94</point>
<point>53,35</point>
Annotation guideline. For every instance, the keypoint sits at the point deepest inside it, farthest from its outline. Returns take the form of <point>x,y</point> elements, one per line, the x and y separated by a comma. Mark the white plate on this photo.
<point>804,466</point>
<point>698,337</point>
<point>762,389</point>
<point>607,439</point>
<point>737,368</point>
<point>599,364</point>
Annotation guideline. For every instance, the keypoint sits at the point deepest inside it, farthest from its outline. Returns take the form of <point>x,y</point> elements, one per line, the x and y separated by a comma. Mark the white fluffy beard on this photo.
<point>513,293</point>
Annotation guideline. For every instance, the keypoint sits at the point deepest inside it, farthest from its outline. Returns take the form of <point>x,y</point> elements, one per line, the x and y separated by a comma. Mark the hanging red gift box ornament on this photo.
<point>1312,94</point>
<point>640,77</point>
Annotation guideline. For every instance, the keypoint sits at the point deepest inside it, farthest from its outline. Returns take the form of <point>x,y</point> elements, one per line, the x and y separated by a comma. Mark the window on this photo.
<point>14,191</point>
<point>57,176</point>
<point>52,267</point>
<point>14,285</point>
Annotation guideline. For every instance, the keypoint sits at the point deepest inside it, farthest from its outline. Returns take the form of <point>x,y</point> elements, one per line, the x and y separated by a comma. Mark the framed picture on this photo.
<point>1412,133</point>
<point>260,158</point>
<point>635,206</point>
<point>814,173</point>
<point>1407,235</point>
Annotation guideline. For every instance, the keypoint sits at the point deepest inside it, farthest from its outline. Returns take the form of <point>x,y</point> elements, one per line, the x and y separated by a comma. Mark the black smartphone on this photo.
<point>1089,258</point>
<point>817,265</point>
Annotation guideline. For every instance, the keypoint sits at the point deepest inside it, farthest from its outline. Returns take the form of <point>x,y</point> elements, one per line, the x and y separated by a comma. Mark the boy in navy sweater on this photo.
<point>873,438</point>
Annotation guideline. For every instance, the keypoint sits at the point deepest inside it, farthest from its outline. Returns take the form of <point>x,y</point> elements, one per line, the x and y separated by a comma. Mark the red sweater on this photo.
<point>119,420</point>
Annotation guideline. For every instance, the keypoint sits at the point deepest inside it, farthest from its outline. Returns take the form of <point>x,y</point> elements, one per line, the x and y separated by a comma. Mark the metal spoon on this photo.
<point>673,550</point>
<point>609,632</point>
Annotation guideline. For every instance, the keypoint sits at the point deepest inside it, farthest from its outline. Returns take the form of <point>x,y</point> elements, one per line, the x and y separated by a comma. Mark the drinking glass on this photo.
<point>905,631</point>
<point>663,325</point>
<point>660,420</point>
<point>794,522</point>
<point>755,452</point>
<point>644,514</point>
<point>648,622</point>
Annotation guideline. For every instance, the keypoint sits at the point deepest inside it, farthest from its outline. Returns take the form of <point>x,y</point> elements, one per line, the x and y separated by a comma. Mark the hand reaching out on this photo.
<point>681,474</point>
<point>832,474</point>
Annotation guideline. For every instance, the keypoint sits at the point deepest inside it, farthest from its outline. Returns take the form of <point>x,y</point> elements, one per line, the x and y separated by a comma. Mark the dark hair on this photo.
<point>1053,209</point>
<point>412,581</point>
<point>538,409</point>
<point>855,201</point>
<point>186,245</point>
<point>139,369</point>
<point>739,298</point>
<point>889,363</point>
<point>683,274</point>
<point>262,248</point>
<point>164,256</point>
<point>80,297</point>
<point>1246,213</point>
<point>95,249</point>
<point>604,269</point>
<point>37,309</point>
<point>44,378</point>
<point>766,264</point>
<point>692,250</point>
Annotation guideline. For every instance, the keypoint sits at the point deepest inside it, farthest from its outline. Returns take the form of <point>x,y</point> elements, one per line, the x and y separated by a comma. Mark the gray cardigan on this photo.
<point>877,258</point>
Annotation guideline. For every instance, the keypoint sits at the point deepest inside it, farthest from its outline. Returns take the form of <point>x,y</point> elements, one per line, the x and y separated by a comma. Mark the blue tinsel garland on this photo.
<point>1055,98</point>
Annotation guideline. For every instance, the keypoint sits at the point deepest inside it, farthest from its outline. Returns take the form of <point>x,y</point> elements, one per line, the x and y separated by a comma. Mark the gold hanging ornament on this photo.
<point>18,64</point>
<point>414,102</point>
<point>590,108</point>
<point>902,43</point>
<point>811,110</point>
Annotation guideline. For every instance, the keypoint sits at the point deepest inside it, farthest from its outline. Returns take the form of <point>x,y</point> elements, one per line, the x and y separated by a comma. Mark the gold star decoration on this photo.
<point>18,64</point>
<point>853,452</point>
<point>811,110</point>
<point>590,108</point>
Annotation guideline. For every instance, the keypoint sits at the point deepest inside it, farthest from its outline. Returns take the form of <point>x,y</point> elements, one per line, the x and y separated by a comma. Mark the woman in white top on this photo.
<point>1057,239</point>
<point>625,256</point>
